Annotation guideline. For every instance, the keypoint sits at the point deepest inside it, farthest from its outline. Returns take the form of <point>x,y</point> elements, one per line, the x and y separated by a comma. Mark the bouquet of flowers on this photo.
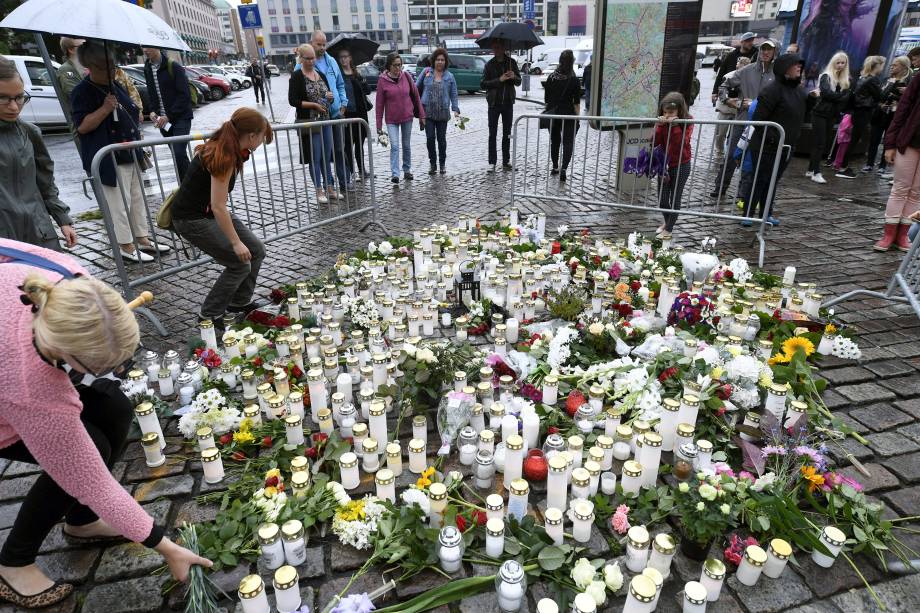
<point>209,408</point>
<point>355,522</point>
<point>689,309</point>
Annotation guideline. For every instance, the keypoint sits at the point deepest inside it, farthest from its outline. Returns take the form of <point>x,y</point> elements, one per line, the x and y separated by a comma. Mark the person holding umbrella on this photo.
<point>500,77</point>
<point>357,90</point>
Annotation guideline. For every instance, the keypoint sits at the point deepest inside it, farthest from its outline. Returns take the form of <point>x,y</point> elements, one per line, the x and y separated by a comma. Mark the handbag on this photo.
<point>164,215</point>
<point>415,101</point>
<point>545,122</point>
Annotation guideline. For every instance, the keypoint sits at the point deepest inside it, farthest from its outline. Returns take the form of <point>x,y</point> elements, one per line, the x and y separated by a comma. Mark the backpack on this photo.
<point>192,90</point>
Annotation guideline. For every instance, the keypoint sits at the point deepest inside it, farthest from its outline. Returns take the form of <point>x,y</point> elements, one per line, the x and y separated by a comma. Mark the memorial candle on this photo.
<point>556,484</point>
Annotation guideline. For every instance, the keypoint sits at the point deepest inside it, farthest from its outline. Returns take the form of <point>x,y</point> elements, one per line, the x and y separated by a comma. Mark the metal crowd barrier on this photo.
<point>614,165</point>
<point>906,279</point>
<point>274,196</point>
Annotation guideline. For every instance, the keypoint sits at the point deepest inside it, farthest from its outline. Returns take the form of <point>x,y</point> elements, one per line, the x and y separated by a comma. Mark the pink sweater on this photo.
<point>40,407</point>
<point>396,98</point>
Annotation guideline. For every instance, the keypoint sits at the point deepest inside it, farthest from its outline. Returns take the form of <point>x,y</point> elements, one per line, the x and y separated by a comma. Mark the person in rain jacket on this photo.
<point>28,195</point>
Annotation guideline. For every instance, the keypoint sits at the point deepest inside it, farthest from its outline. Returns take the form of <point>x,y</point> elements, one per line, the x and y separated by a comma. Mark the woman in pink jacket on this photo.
<point>398,97</point>
<point>60,324</point>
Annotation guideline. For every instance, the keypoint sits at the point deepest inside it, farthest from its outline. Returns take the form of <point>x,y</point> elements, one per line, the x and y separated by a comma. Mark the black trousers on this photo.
<point>561,132</point>
<point>758,201</point>
<point>107,416</point>
<point>860,123</point>
<point>355,135</point>
<point>671,191</point>
<point>436,139</point>
<point>877,129</point>
<point>823,130</point>
<point>259,89</point>
<point>506,113</point>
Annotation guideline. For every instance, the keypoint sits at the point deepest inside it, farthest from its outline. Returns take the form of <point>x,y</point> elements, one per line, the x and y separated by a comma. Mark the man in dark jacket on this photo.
<point>500,77</point>
<point>785,103</point>
<point>730,62</point>
<point>254,72</point>
<point>172,101</point>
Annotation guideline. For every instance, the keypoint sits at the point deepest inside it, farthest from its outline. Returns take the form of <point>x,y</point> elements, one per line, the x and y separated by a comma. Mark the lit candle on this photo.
<point>637,541</point>
<point>277,407</point>
<point>417,460</point>
<point>271,549</point>
<point>581,483</point>
<point>751,566</point>
<point>420,428</point>
<point>606,443</point>
<point>583,518</point>
<point>300,483</point>
<point>212,464</point>
<point>370,461</point>
<point>556,484</point>
<point>252,595</point>
<point>164,378</point>
<point>152,452</point>
<point>348,463</point>
<point>394,458</point>
<point>386,485</point>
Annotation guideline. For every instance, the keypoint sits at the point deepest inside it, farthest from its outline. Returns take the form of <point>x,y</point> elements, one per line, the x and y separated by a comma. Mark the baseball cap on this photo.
<point>748,36</point>
<point>768,43</point>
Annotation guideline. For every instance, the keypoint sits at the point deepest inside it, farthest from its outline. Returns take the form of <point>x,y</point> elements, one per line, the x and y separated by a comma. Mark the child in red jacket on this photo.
<point>674,140</point>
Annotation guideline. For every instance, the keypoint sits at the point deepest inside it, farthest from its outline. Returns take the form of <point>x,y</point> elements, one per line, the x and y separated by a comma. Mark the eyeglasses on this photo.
<point>20,100</point>
<point>117,369</point>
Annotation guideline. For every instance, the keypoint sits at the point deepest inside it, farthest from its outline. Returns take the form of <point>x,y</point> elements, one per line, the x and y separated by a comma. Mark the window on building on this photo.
<point>285,7</point>
<point>354,6</point>
<point>314,5</point>
<point>395,21</point>
<point>369,22</point>
<point>383,22</point>
<point>303,23</point>
<point>394,5</point>
<point>316,22</point>
<point>354,23</point>
<point>367,6</point>
<point>380,8</point>
<point>288,25</point>
<point>274,24</point>
<point>335,23</point>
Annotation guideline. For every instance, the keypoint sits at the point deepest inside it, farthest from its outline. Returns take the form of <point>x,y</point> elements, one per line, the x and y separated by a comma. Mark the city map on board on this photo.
<point>633,45</point>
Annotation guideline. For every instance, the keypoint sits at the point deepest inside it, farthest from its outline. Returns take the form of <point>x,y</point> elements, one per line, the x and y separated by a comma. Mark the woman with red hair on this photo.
<point>200,214</point>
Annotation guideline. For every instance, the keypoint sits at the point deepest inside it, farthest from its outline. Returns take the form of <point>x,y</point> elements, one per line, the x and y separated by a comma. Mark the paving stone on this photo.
<point>827,581</point>
<point>851,446</point>
<point>424,581</point>
<point>227,579</point>
<point>902,594</point>
<point>206,488</point>
<point>127,560</point>
<point>18,469</point>
<point>905,350</point>
<point>906,467</point>
<point>55,540</point>
<point>315,564</point>
<point>905,387</point>
<point>725,604</point>
<point>8,513</point>
<point>69,566</point>
<point>769,596</point>
<point>848,375</point>
<point>890,368</point>
<point>159,511</point>
<point>912,431</point>
<point>887,444</point>
<point>833,400</point>
<point>346,557</point>
<point>170,486</point>
<point>487,602</point>
<point>881,479</point>
<point>140,595</point>
<point>910,406</point>
<point>864,393</point>
<point>880,417</point>
<point>365,583</point>
<point>819,606</point>
<point>193,513</point>
<point>847,420</point>
<point>139,471</point>
<point>13,489</point>
<point>905,501</point>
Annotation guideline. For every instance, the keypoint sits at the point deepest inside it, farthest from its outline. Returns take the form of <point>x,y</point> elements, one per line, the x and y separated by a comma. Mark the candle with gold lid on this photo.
<point>778,552</point>
<point>348,465</point>
<point>712,577</point>
<point>212,465</point>
<point>751,566</point>
<point>253,598</point>
<point>287,592</point>
<point>437,497</point>
<point>152,453</point>
<point>394,458</point>
<point>637,546</point>
<point>386,484</point>
<point>641,595</point>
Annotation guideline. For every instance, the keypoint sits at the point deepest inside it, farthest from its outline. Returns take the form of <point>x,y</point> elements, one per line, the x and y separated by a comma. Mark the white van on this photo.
<point>44,110</point>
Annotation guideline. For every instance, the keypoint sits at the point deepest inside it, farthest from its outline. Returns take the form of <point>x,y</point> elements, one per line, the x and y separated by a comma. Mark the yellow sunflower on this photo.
<point>792,345</point>
<point>779,358</point>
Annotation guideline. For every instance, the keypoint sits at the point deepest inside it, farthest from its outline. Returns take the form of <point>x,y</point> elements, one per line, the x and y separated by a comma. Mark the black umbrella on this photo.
<point>362,49</point>
<point>514,35</point>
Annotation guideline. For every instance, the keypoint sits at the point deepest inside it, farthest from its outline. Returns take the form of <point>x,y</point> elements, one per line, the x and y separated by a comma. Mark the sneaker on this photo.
<point>154,247</point>
<point>868,168</point>
<point>828,163</point>
<point>394,180</point>
<point>491,168</point>
<point>409,176</point>
<point>136,256</point>
<point>809,174</point>
<point>773,220</point>
<point>334,195</point>
<point>746,224</point>
<point>506,166</point>
<point>818,178</point>
<point>351,187</point>
<point>846,173</point>
<point>246,309</point>
<point>321,198</point>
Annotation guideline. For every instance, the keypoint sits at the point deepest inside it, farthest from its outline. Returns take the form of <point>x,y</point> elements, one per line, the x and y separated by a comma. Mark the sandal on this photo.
<point>91,540</point>
<point>53,595</point>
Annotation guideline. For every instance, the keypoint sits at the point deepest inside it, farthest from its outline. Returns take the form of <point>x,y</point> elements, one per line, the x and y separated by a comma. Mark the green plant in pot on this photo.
<point>706,507</point>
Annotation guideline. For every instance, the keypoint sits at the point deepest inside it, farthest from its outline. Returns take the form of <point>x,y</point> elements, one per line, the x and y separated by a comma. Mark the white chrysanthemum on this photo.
<point>417,497</point>
<point>845,348</point>
<point>559,351</point>
<point>746,398</point>
<point>743,368</point>
<point>385,248</point>
<point>710,355</point>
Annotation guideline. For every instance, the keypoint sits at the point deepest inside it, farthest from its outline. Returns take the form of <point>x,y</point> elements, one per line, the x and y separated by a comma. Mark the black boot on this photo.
<point>562,176</point>
<point>433,170</point>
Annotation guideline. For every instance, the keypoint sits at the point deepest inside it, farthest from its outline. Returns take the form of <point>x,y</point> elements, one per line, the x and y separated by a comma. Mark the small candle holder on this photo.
<point>212,465</point>
<point>152,453</point>
<point>712,577</point>
<point>348,464</point>
<point>287,592</point>
<point>751,566</point>
<point>386,485</point>
<point>637,548</point>
<point>394,458</point>
<point>495,537</point>
<point>272,550</point>
<point>252,595</point>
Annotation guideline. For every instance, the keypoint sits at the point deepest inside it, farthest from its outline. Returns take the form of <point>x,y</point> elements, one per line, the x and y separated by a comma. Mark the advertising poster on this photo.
<point>828,26</point>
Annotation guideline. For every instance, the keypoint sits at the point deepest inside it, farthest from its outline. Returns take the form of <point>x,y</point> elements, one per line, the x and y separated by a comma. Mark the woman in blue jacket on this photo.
<point>439,96</point>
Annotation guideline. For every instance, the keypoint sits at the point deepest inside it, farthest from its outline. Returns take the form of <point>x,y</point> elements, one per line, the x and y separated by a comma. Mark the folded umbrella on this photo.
<point>362,49</point>
<point>514,35</point>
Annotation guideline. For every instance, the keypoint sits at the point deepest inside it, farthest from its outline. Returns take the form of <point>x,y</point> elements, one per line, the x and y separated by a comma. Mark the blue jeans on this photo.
<point>180,127</point>
<point>338,144</point>
<point>321,162</point>
<point>394,130</point>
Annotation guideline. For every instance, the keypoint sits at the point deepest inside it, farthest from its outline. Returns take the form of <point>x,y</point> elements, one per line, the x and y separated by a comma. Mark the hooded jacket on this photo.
<point>783,102</point>
<point>906,122</point>
<point>752,79</point>
<point>730,64</point>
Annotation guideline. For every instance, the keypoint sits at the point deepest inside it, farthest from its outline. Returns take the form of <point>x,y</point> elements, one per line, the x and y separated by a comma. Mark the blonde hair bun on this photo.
<point>83,318</point>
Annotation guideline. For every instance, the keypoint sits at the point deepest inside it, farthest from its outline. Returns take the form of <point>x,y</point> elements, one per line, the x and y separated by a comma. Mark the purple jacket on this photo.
<point>397,99</point>
<point>906,120</point>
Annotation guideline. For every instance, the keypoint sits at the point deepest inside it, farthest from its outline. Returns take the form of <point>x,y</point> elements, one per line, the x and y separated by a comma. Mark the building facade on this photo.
<point>196,22</point>
<point>573,18</point>
<point>286,24</point>
<point>229,20</point>
<point>723,21</point>
<point>436,21</point>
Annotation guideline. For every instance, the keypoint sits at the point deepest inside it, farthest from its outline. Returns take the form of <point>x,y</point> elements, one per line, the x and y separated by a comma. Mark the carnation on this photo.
<point>743,368</point>
<point>417,497</point>
<point>385,248</point>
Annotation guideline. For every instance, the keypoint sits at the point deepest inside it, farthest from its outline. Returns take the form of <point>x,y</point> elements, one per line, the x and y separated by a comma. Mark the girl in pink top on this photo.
<point>54,314</point>
<point>397,97</point>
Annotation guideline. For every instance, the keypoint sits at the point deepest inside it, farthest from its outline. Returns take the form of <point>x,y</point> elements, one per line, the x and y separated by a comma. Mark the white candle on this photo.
<point>833,539</point>
<point>212,464</point>
<point>495,537</point>
<point>295,550</point>
<point>554,529</point>
<point>511,330</point>
<point>517,498</point>
<point>417,460</point>
<point>185,395</point>
<point>550,390</point>
<point>293,425</point>
<point>167,388</point>
<point>712,577</point>
<point>152,452</point>
<point>394,458</point>
<point>252,595</point>
<point>386,485</point>
<point>271,548</point>
<point>650,459</point>
<point>778,553</point>
<point>556,484</point>
<point>751,566</point>
<point>205,437</point>
<point>695,596</point>
<point>348,464</point>
<point>637,540</point>
<point>208,334</point>
<point>343,385</point>
<point>689,409</point>
<point>148,421</point>
<point>317,387</point>
<point>583,518</point>
<point>378,420</point>
<point>663,549</point>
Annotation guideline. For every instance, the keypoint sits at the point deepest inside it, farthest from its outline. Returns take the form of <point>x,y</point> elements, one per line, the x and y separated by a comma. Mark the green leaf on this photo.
<point>551,558</point>
<point>228,530</point>
<point>228,559</point>
<point>512,546</point>
<point>764,522</point>
<point>860,534</point>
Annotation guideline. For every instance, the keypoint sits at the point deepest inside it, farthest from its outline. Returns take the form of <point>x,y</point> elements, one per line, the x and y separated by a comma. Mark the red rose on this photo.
<point>667,373</point>
<point>199,351</point>
<point>350,440</point>
<point>729,274</point>
<point>461,523</point>
<point>226,439</point>
<point>239,456</point>
<point>271,482</point>
<point>280,321</point>
<point>320,437</point>
<point>635,285</point>
<point>257,361</point>
<point>296,372</point>
<point>724,391</point>
<point>575,400</point>
<point>721,411</point>
<point>267,441</point>
<point>278,295</point>
<point>596,260</point>
<point>552,430</point>
<point>311,453</point>
<point>556,248</point>
<point>480,517</point>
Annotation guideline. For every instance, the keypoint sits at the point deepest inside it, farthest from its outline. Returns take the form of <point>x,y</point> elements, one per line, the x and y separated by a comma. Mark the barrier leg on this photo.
<point>153,319</point>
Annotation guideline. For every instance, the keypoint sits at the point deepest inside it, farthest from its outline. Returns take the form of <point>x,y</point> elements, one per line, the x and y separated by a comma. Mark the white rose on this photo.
<point>582,573</point>
<point>372,247</point>
<point>597,328</point>
<point>425,355</point>
<point>385,248</point>
<point>409,350</point>
<point>613,577</point>
<point>597,592</point>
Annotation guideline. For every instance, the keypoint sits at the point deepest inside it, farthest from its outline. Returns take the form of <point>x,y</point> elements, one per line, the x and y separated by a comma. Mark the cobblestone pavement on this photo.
<point>826,232</point>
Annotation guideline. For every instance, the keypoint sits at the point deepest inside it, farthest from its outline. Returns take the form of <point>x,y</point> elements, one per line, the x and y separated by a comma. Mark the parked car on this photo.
<point>217,88</point>
<point>370,73</point>
<point>44,110</point>
<point>467,70</point>
<point>204,91</point>
<point>410,63</point>
<point>238,73</point>
<point>236,81</point>
<point>273,70</point>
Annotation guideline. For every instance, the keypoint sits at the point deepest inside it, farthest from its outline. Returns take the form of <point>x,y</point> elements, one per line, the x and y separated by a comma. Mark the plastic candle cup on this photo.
<point>417,460</point>
<point>287,592</point>
<point>148,421</point>
<point>658,580</point>
<point>583,603</point>
<point>795,413</point>
<point>347,420</point>
<point>495,537</point>
<point>153,455</point>
<point>316,385</point>
<point>450,549</point>
<point>641,595</point>
<point>212,465</point>
<point>495,507</point>
<point>550,390</point>
<point>685,433</point>
<point>594,470</point>
<point>667,427</point>
<point>272,550</point>
<point>833,539</point>
<point>378,420</point>
<point>751,420</point>
<point>293,426</point>
<point>252,595</point>
<point>205,438</point>
<point>553,526</point>
<point>712,578</point>
<point>300,484</point>
<point>358,434</point>
<point>650,459</point>
<point>459,380</point>
<point>165,380</point>
<point>695,597</point>
<point>631,479</point>
<point>663,549</point>
<point>689,409</point>
<point>477,420</point>
<point>487,441</point>
<point>510,585</point>
<point>386,485</point>
<point>517,498</point>
<point>606,443</point>
<point>486,396</point>
<point>348,463</point>
<point>637,541</point>
<point>496,413</point>
<point>437,497</point>
<point>581,484</point>
<point>556,484</point>
<point>583,519</point>
<point>208,334</point>
<point>778,552</point>
<point>608,483</point>
<point>751,566</point>
<point>485,469</point>
<point>776,400</point>
<point>370,461</point>
<point>325,421</point>
<point>420,428</point>
<point>514,458</point>
<point>612,418</point>
<point>394,458</point>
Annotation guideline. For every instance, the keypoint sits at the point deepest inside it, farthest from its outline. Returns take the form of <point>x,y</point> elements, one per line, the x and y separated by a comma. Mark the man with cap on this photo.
<point>749,81</point>
<point>730,63</point>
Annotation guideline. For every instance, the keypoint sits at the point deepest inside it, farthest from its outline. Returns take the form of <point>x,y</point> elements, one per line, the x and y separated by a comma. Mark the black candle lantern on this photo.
<point>467,281</point>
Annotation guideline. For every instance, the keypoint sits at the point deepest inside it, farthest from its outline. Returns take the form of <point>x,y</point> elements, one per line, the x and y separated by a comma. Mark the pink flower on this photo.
<point>724,469</point>
<point>746,475</point>
<point>615,271</point>
<point>619,522</point>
